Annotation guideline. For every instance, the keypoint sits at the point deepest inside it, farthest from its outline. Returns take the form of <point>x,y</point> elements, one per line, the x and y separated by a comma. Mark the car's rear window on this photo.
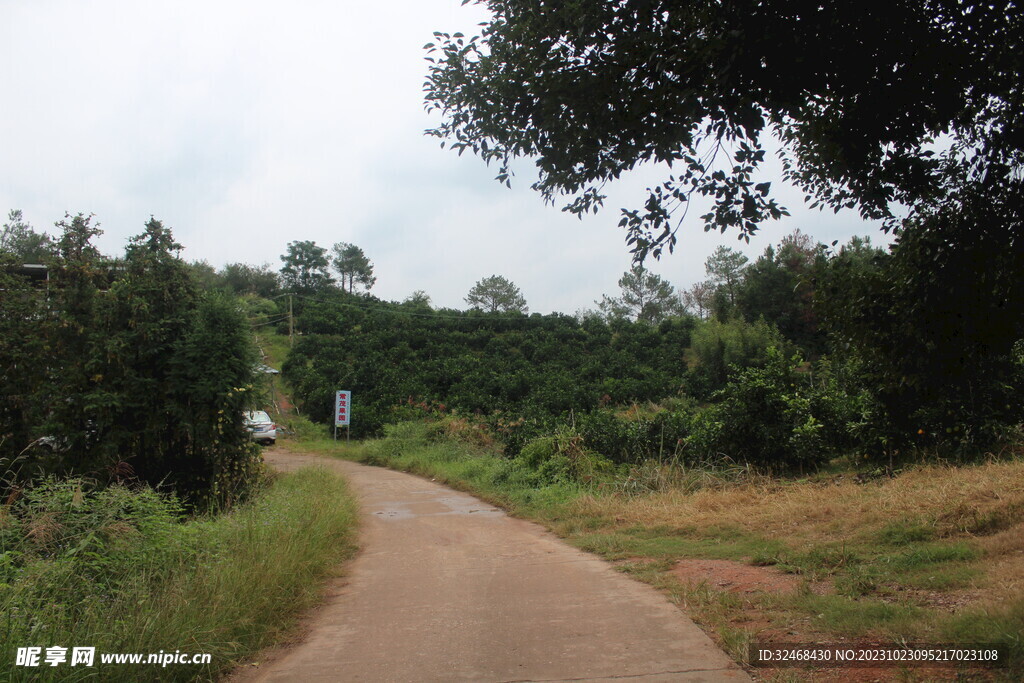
<point>258,416</point>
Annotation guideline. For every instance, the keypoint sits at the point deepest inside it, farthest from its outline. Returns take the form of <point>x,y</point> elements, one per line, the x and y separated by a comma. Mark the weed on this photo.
<point>736,642</point>
<point>862,617</point>
<point>118,570</point>
<point>857,582</point>
<point>896,533</point>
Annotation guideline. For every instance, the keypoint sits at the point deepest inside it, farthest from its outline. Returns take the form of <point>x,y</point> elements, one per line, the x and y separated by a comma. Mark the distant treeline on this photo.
<point>806,353</point>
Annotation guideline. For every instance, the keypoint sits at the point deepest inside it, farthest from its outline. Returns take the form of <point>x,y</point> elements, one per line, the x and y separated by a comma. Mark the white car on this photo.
<point>261,427</point>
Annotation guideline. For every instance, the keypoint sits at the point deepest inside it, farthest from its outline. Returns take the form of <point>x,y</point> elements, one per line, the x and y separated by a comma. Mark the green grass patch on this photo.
<point>622,544</point>
<point>858,617</point>
<point>120,571</point>
<point>1002,624</point>
<point>820,561</point>
<point>926,555</point>
<point>896,533</point>
<point>275,346</point>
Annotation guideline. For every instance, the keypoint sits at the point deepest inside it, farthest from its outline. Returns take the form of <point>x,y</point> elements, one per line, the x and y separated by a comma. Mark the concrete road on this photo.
<point>449,588</point>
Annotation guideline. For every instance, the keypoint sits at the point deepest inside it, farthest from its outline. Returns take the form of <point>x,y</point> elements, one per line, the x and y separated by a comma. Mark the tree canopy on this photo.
<point>18,239</point>
<point>242,278</point>
<point>779,287</point>
<point>876,107</point>
<point>725,269</point>
<point>353,266</point>
<point>645,297</point>
<point>496,294</point>
<point>305,267</point>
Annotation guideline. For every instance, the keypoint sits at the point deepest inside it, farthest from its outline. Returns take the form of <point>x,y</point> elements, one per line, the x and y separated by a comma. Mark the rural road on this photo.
<point>449,588</point>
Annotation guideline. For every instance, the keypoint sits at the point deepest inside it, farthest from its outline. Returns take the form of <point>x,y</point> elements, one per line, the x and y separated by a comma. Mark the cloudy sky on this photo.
<point>246,125</point>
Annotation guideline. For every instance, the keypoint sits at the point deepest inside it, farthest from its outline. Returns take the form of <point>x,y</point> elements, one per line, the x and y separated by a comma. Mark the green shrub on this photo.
<point>630,441</point>
<point>760,418</point>
<point>562,458</point>
<point>720,346</point>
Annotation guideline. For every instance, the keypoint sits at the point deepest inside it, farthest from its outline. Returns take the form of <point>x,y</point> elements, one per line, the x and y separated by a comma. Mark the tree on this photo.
<point>215,367</point>
<point>305,268</point>
<point>697,299</point>
<point>720,346</point>
<point>496,294</point>
<point>645,297</point>
<point>80,272</point>
<point>205,275</point>
<point>23,317</point>
<point>242,278</point>
<point>353,266</point>
<point>856,94</point>
<point>779,287</point>
<point>18,239</point>
<point>940,353</point>
<point>128,369</point>
<point>131,395</point>
<point>418,299</point>
<point>725,270</point>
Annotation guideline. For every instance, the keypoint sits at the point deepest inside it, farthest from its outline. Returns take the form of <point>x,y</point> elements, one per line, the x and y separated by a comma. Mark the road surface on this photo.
<point>449,588</point>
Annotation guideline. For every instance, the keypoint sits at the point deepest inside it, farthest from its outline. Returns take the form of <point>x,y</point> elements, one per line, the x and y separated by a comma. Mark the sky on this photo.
<point>243,126</point>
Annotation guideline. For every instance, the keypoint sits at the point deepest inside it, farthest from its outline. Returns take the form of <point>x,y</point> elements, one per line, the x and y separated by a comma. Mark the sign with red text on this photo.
<point>342,408</point>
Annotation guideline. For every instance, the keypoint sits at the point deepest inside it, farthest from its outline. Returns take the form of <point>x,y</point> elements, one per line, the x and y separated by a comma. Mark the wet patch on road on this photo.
<point>436,505</point>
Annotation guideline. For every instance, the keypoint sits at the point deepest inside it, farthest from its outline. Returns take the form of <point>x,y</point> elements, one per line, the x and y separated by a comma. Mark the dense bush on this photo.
<point>131,372</point>
<point>761,417</point>
<point>719,346</point>
<point>638,437</point>
<point>934,326</point>
<point>562,457</point>
<point>532,367</point>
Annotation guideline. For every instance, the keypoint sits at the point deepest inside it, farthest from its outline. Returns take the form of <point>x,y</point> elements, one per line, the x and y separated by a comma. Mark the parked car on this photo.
<point>261,428</point>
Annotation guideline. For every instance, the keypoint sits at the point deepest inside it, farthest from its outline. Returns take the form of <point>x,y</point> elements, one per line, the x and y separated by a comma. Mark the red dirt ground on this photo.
<point>735,577</point>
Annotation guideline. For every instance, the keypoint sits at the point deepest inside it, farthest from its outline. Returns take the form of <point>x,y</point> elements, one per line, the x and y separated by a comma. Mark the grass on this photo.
<point>227,585</point>
<point>274,346</point>
<point>935,554</point>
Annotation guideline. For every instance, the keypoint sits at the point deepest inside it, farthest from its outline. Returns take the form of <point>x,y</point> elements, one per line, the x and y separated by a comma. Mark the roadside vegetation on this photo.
<point>933,553</point>
<point>124,570</point>
<point>136,515</point>
<point>779,363</point>
<point>124,370</point>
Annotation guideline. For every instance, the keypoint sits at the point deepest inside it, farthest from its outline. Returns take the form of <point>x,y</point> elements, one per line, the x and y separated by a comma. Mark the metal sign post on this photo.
<point>343,413</point>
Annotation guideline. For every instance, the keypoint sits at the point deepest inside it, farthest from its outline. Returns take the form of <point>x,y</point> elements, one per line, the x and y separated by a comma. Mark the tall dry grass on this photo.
<point>955,501</point>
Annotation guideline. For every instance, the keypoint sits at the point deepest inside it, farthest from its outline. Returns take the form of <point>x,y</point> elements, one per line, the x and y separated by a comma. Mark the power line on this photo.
<point>269,322</point>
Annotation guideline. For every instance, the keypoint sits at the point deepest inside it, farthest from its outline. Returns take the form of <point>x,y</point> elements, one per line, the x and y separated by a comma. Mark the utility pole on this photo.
<point>291,323</point>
